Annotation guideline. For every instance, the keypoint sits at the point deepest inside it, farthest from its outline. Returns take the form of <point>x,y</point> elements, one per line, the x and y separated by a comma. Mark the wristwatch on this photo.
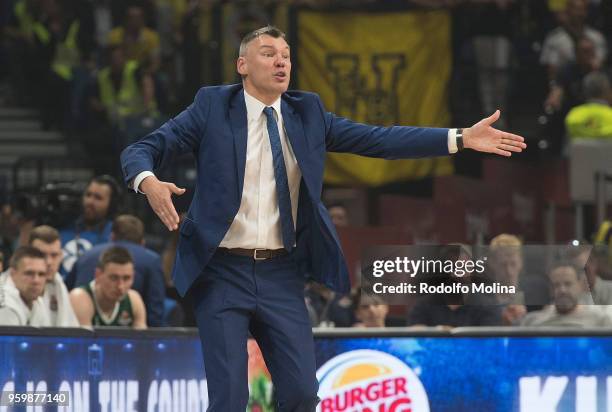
<point>459,140</point>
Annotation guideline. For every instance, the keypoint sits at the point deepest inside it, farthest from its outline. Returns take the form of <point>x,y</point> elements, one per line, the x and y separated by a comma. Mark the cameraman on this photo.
<point>99,205</point>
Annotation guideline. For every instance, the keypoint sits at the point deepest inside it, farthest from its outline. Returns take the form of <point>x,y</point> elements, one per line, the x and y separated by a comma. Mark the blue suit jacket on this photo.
<point>214,128</point>
<point>148,277</point>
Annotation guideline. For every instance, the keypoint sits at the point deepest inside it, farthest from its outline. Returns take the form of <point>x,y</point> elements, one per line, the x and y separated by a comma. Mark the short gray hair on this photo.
<point>596,85</point>
<point>249,37</point>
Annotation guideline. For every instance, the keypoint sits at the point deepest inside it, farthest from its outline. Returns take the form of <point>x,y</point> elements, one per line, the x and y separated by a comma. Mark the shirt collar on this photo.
<point>254,107</point>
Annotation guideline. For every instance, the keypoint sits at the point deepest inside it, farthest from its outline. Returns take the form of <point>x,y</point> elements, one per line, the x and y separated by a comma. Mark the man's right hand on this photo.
<point>159,195</point>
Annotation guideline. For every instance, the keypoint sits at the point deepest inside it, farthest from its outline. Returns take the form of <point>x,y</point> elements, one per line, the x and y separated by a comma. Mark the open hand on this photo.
<point>482,137</point>
<point>159,194</point>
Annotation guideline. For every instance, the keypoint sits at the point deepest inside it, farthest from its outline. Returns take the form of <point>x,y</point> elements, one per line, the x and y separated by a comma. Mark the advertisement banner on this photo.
<point>365,374</point>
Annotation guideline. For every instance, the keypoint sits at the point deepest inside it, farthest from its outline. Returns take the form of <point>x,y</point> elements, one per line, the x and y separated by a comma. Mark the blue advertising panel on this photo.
<point>364,373</point>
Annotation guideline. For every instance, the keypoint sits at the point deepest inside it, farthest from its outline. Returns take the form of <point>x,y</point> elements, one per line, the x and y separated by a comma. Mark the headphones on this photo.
<point>116,192</point>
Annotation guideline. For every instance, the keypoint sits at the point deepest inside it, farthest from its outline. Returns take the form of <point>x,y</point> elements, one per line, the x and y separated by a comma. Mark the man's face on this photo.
<point>585,52</point>
<point>266,66</point>
<point>53,256</point>
<point>372,315</point>
<point>577,11</point>
<point>508,264</point>
<point>115,280</point>
<point>96,201</point>
<point>339,216</point>
<point>134,19</point>
<point>566,288</point>
<point>30,277</point>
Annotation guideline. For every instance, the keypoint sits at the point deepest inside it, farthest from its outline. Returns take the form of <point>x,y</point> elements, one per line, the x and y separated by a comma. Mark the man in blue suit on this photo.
<point>256,224</point>
<point>128,232</point>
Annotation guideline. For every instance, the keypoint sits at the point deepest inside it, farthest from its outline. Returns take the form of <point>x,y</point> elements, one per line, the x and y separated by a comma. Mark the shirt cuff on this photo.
<point>452,141</point>
<point>138,180</point>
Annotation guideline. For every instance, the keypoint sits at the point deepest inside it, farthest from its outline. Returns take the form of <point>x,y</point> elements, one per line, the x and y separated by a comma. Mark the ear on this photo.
<point>241,66</point>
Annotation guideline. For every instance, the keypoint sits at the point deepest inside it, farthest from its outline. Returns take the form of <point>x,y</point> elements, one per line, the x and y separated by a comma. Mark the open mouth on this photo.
<point>280,75</point>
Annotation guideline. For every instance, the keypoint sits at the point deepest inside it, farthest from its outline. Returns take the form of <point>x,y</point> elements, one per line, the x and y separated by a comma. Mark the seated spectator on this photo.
<point>339,215</point>
<point>449,311</point>
<point>99,205</point>
<point>590,261</point>
<point>21,290</point>
<point>329,308</point>
<point>55,297</point>
<point>506,265</point>
<point>128,232</point>
<point>108,300</point>
<point>370,311</point>
<point>594,118</point>
<point>567,286</point>
<point>566,89</point>
<point>140,42</point>
<point>122,89</point>
<point>559,46</point>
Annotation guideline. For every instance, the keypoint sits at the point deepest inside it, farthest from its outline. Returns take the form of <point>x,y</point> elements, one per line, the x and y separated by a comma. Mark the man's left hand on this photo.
<point>482,137</point>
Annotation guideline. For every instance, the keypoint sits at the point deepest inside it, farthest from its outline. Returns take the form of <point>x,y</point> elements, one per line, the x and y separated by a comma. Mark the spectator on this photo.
<point>370,311</point>
<point>566,90</point>
<point>448,311</point>
<point>21,302</point>
<point>140,42</point>
<point>93,226</point>
<point>567,286</point>
<point>590,261</point>
<point>128,232</point>
<point>55,296</point>
<point>594,118</point>
<point>64,41</point>
<point>506,263</point>
<point>339,215</point>
<point>559,46</point>
<point>108,300</point>
<point>330,309</point>
<point>122,89</point>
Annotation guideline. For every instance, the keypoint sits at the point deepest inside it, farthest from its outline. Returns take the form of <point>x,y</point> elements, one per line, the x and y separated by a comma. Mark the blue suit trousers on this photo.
<point>236,295</point>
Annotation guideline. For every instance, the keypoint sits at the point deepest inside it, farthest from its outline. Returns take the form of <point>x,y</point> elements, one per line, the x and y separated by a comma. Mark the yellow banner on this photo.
<point>378,68</point>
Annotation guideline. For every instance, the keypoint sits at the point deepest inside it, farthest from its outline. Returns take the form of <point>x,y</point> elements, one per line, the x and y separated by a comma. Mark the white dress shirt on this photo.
<point>257,223</point>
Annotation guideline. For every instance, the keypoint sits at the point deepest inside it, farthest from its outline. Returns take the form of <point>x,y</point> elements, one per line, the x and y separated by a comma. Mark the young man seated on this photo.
<point>21,290</point>
<point>108,300</point>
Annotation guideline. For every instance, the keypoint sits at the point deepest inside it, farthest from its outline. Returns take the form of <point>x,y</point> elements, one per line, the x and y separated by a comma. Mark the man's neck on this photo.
<point>265,98</point>
<point>575,309</point>
<point>106,305</point>
<point>93,224</point>
<point>28,303</point>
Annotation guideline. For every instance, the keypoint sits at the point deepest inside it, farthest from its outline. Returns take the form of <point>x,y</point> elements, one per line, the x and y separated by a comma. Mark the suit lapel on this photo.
<point>238,122</point>
<point>295,133</point>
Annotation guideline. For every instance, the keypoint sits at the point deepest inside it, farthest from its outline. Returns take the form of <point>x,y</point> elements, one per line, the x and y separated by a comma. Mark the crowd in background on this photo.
<point>97,271</point>
<point>105,72</point>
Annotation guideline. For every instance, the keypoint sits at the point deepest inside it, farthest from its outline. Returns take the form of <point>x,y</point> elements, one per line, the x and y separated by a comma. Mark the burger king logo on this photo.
<point>369,381</point>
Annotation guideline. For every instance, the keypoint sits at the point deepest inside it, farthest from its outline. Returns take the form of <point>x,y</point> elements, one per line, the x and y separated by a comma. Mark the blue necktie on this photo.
<point>282,186</point>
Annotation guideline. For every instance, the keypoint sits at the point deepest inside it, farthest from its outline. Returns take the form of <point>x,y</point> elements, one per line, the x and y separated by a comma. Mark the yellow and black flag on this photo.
<point>380,68</point>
